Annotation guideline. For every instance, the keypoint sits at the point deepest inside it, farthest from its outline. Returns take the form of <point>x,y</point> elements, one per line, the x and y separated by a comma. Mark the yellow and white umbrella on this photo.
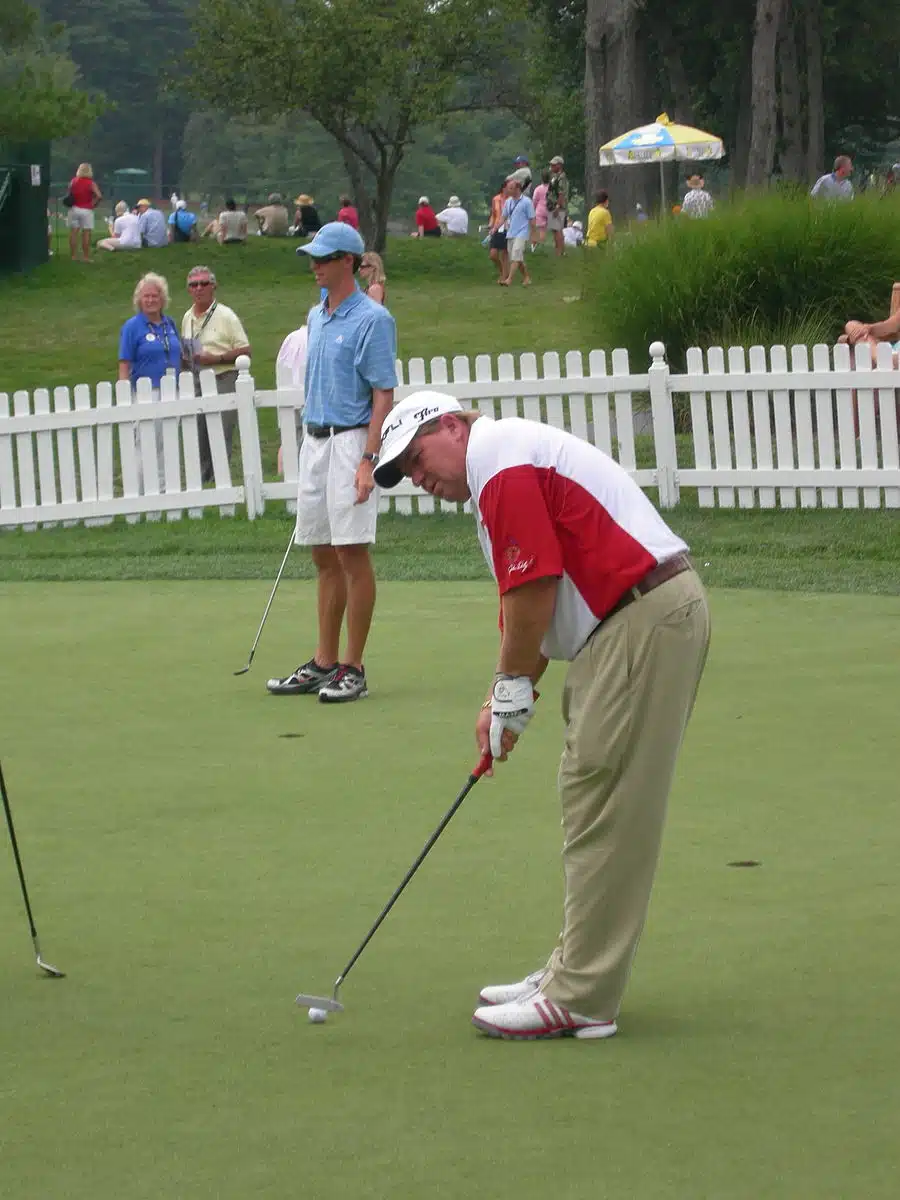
<point>662,142</point>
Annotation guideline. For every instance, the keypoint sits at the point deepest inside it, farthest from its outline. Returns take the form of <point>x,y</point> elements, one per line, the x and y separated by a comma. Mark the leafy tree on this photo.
<point>370,72</point>
<point>39,99</point>
<point>131,50</point>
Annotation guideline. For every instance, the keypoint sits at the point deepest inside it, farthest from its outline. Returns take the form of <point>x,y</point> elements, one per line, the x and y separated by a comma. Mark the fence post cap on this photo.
<point>658,353</point>
<point>242,362</point>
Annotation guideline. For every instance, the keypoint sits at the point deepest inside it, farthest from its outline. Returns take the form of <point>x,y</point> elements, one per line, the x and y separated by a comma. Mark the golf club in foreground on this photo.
<point>45,966</point>
<point>320,1005</point>
<point>244,670</point>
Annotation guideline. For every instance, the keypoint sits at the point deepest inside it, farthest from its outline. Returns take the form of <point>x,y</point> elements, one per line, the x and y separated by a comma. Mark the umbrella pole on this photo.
<point>662,185</point>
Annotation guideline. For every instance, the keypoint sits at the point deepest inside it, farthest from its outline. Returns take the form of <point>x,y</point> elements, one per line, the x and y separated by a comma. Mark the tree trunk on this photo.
<point>761,157</point>
<point>613,86</point>
<point>791,158</point>
<point>739,159</point>
<point>815,92</point>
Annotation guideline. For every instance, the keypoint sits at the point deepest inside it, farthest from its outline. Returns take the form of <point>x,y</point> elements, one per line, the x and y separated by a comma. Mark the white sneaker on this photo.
<point>506,993</point>
<point>537,1017</point>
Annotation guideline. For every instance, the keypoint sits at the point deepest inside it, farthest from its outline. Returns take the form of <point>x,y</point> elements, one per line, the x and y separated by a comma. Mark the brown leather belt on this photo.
<point>659,574</point>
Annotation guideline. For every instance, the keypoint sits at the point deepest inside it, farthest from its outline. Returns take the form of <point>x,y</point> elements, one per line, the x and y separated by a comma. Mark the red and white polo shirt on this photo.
<point>549,503</point>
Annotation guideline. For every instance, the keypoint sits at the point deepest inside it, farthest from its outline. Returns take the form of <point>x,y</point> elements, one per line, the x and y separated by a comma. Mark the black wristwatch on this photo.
<point>372,458</point>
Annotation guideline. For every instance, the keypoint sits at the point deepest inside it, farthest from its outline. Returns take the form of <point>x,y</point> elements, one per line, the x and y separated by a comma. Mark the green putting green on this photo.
<point>197,852</point>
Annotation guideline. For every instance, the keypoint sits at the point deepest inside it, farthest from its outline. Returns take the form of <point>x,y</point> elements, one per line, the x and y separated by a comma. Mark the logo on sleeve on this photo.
<point>515,561</point>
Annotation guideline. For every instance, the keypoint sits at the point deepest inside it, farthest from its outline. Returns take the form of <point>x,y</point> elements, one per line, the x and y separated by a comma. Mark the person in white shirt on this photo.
<point>125,231</point>
<point>454,218</point>
<point>588,572</point>
<point>573,234</point>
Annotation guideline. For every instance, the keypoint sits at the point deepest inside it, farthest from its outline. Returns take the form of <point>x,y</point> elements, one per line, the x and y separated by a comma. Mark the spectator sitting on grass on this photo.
<point>426,220</point>
<point>125,231</point>
<point>272,218</point>
<point>348,213</point>
<point>231,224</point>
<point>182,224</point>
<point>573,234</point>
<point>454,218</point>
<point>152,225</point>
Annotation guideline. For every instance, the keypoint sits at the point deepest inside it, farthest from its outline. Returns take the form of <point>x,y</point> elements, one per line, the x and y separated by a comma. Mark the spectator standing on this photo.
<point>557,201</point>
<point>518,216</point>
<point>349,383</point>
<point>426,219</point>
<point>600,222</point>
<point>125,231</point>
<point>522,172</point>
<point>182,223</point>
<point>589,573</point>
<point>149,348</point>
<point>374,280</point>
<point>152,224</point>
<point>539,200</point>
<point>454,218</point>
<point>836,184</point>
<point>212,336</point>
<point>697,203</point>
<point>306,216</point>
<point>497,240</point>
<point>272,219</point>
<point>347,213</point>
<point>85,197</point>
<point>232,224</point>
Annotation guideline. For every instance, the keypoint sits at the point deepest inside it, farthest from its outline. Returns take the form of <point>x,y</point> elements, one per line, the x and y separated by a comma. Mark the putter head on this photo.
<point>53,972</point>
<point>328,1003</point>
<point>243,670</point>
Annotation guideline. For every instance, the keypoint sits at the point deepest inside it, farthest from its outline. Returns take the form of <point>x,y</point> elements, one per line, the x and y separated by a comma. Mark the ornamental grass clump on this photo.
<point>762,269</point>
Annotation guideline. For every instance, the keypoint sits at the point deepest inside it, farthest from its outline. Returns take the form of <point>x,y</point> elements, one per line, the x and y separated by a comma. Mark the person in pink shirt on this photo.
<point>539,200</point>
<point>347,213</point>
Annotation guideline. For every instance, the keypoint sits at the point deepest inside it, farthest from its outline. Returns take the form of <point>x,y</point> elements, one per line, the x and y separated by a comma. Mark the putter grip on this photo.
<point>483,765</point>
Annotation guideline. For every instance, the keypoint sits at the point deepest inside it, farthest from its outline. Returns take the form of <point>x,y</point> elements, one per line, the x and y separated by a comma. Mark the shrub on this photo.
<point>767,269</point>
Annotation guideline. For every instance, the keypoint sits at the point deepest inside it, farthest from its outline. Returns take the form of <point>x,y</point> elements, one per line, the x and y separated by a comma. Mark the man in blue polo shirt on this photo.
<point>518,215</point>
<point>349,385</point>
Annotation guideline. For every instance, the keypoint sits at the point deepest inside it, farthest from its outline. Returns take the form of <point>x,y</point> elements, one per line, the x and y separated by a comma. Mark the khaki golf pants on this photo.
<point>626,703</point>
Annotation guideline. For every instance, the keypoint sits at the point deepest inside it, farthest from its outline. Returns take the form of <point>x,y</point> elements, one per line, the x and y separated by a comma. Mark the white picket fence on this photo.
<point>760,430</point>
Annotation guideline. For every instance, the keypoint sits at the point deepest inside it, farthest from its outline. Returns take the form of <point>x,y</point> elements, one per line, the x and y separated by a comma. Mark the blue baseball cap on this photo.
<point>337,237</point>
<point>520,158</point>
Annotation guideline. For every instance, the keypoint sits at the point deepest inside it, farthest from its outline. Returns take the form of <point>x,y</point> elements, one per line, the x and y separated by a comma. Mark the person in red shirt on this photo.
<point>85,198</point>
<point>427,224</point>
<point>347,213</point>
<point>590,573</point>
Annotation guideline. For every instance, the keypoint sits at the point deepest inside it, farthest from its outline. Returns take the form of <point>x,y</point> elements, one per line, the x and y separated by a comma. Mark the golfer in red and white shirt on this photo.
<point>588,572</point>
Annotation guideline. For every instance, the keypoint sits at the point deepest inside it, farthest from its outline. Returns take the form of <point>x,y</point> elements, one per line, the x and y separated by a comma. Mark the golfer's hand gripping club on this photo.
<point>512,707</point>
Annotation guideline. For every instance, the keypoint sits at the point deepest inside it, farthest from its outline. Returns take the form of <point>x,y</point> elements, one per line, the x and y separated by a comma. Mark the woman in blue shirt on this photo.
<point>149,345</point>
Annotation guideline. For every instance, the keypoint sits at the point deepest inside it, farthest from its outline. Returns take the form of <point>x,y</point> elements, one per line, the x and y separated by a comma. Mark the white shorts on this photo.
<point>327,512</point>
<point>516,248</point>
<point>556,221</point>
<point>81,218</point>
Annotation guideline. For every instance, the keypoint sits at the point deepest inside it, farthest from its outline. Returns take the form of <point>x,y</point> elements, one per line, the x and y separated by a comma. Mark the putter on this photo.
<point>332,1004</point>
<point>54,972</point>
<point>244,670</point>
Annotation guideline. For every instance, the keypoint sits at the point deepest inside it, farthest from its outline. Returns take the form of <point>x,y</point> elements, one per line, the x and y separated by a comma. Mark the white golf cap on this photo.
<point>401,426</point>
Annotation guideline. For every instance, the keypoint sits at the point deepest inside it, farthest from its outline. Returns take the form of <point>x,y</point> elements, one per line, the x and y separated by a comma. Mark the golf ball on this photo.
<point>317,1015</point>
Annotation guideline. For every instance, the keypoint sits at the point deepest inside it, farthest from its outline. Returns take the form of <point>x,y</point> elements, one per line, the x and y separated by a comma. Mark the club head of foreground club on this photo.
<point>243,670</point>
<point>327,1003</point>
<point>53,972</point>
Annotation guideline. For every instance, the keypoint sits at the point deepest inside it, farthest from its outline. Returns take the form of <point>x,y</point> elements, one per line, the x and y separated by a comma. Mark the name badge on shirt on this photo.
<point>151,337</point>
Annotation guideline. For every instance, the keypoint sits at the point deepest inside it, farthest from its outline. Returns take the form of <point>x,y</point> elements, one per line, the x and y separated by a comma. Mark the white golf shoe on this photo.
<point>533,1017</point>
<point>506,993</point>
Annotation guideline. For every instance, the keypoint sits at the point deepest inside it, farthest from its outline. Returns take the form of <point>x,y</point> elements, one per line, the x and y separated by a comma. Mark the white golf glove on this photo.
<point>512,707</point>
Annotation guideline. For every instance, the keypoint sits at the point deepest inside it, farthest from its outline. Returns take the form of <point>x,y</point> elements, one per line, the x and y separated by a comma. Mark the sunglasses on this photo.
<point>327,258</point>
<point>199,283</point>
